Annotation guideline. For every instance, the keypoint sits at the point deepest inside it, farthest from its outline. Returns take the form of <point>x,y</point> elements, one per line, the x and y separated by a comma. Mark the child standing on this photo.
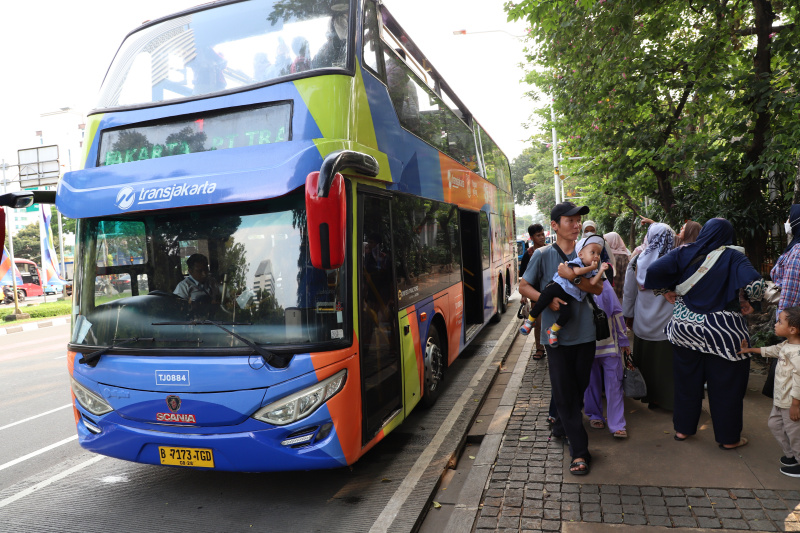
<point>608,367</point>
<point>586,265</point>
<point>784,420</point>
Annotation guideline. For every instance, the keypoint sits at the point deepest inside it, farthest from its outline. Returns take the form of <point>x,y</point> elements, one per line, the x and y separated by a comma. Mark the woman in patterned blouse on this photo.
<point>712,283</point>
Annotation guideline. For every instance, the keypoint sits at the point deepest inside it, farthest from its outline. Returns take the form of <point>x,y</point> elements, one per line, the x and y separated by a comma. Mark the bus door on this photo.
<point>381,373</point>
<point>475,252</point>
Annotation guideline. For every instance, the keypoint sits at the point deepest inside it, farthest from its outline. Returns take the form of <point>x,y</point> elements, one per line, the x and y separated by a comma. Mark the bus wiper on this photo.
<point>91,359</point>
<point>269,358</point>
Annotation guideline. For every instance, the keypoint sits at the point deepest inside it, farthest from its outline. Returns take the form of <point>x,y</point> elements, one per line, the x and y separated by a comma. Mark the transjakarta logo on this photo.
<point>126,197</point>
<point>176,417</point>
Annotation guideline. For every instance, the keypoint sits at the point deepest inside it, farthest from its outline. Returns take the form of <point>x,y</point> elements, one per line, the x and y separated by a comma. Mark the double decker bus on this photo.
<point>352,223</point>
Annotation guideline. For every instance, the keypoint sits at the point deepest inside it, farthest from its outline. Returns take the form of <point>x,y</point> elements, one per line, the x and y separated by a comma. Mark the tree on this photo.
<point>688,103</point>
<point>27,244</point>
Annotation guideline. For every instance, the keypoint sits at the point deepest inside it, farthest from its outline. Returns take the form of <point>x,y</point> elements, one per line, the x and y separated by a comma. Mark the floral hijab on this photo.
<point>660,240</point>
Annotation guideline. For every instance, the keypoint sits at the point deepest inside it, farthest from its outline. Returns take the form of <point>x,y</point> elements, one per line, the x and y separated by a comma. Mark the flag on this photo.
<point>5,270</point>
<point>50,268</point>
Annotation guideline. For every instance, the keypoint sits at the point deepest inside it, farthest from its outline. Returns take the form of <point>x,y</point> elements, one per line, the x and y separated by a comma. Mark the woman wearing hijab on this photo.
<point>621,257</point>
<point>647,314</point>
<point>707,328</point>
<point>688,233</point>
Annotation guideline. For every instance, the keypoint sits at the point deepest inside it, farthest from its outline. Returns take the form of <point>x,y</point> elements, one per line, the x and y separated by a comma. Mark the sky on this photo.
<point>56,53</point>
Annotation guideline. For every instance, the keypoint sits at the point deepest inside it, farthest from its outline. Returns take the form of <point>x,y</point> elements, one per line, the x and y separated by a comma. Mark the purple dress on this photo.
<point>608,367</point>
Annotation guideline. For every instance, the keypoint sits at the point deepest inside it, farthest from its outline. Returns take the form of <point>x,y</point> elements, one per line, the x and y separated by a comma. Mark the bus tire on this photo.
<point>434,368</point>
<point>502,302</point>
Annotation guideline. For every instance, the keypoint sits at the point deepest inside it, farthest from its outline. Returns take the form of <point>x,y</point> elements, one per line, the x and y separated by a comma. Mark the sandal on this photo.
<point>742,442</point>
<point>621,434</point>
<point>539,354</point>
<point>597,424</point>
<point>581,467</point>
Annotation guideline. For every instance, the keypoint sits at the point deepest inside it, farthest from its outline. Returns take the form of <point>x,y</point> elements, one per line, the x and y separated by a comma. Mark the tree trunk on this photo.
<point>755,242</point>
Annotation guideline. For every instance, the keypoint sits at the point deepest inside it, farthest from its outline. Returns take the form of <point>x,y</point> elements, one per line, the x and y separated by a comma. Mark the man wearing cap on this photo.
<point>570,363</point>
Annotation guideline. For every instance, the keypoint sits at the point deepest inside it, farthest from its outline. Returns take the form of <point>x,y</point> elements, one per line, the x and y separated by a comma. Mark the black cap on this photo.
<point>567,209</point>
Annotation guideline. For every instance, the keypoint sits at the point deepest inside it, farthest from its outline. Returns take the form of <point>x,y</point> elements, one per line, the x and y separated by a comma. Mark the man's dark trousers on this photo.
<point>570,371</point>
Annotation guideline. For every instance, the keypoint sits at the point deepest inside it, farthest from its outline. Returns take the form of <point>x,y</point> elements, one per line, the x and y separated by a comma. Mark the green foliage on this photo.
<point>690,104</point>
<point>27,244</point>
<point>50,309</point>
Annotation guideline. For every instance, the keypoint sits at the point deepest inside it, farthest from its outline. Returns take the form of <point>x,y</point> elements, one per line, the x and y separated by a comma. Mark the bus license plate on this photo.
<point>197,457</point>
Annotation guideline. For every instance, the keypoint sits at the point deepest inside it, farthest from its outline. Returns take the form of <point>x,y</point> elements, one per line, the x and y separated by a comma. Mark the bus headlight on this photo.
<point>89,400</point>
<point>301,404</point>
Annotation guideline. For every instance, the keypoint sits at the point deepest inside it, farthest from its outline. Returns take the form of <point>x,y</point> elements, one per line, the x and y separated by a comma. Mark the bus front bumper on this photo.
<point>252,446</point>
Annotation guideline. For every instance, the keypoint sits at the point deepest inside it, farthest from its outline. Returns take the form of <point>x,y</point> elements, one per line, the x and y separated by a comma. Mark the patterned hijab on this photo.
<point>660,240</point>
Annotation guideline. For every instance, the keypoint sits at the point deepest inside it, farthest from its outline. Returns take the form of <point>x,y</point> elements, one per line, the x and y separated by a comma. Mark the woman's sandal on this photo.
<point>620,434</point>
<point>680,439</point>
<point>742,442</point>
<point>581,468</point>
<point>597,424</point>
<point>539,354</point>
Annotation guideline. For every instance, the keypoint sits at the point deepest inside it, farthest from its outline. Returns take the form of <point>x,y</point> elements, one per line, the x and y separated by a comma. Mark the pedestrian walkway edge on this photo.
<point>466,511</point>
<point>32,326</point>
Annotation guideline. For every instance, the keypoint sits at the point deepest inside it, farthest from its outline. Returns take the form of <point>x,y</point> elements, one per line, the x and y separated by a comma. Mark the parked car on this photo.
<point>122,283</point>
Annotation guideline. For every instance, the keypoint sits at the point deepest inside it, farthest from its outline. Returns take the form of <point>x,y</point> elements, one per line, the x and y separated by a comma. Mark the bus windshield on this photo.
<point>226,48</point>
<point>160,277</point>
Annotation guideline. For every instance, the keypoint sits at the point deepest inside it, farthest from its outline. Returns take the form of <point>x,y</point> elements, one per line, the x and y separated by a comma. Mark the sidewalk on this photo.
<point>10,327</point>
<point>646,481</point>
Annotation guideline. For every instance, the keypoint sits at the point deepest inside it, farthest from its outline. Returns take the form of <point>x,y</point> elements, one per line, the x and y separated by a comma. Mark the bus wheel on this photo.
<point>506,296</point>
<point>20,295</point>
<point>434,368</point>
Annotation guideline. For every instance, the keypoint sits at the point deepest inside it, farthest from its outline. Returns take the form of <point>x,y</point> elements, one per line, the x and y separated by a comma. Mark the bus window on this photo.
<point>489,154</point>
<point>486,245</point>
<point>423,113</point>
<point>427,247</point>
<point>258,260</point>
<point>371,39</point>
<point>228,47</point>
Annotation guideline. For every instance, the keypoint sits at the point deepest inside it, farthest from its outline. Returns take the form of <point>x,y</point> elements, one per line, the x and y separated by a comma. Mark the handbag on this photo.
<point>601,329</point>
<point>633,383</point>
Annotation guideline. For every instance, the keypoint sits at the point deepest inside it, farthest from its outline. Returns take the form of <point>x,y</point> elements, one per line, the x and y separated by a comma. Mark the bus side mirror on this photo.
<point>326,217</point>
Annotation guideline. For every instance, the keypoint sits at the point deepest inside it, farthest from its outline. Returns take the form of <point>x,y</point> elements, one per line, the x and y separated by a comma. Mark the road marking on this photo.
<point>37,452</point>
<point>405,489</point>
<point>49,481</point>
<point>35,416</point>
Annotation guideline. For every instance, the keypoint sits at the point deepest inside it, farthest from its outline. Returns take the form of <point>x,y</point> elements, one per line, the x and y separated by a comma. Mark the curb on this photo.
<point>466,512</point>
<point>31,326</point>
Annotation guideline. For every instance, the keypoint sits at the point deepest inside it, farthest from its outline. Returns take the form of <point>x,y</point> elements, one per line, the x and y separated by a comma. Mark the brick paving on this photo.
<point>527,492</point>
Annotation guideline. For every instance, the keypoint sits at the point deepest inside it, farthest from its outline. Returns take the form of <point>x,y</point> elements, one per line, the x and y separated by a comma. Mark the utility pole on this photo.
<point>556,172</point>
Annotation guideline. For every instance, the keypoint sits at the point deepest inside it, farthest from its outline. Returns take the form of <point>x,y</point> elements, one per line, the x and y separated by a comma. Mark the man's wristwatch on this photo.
<point>576,280</point>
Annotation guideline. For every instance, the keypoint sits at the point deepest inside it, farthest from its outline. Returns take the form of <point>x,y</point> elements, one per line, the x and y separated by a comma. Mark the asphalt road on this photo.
<point>36,421</point>
<point>48,483</point>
